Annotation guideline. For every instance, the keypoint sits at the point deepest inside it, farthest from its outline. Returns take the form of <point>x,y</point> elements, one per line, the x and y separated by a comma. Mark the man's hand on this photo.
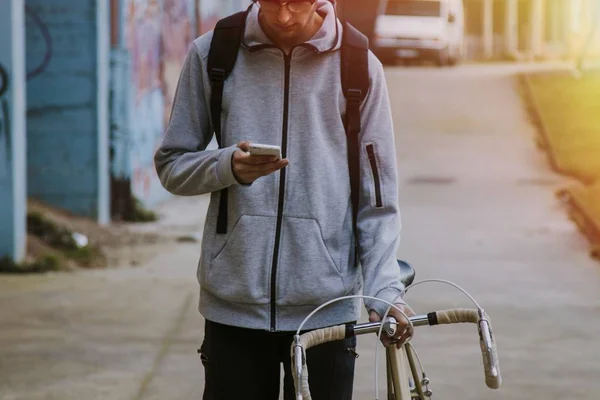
<point>248,168</point>
<point>403,330</point>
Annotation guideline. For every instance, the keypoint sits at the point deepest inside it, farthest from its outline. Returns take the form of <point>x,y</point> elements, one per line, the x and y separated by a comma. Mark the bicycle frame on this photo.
<point>400,364</point>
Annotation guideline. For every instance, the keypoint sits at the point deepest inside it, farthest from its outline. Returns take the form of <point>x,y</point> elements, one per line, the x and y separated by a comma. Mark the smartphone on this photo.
<point>264,150</point>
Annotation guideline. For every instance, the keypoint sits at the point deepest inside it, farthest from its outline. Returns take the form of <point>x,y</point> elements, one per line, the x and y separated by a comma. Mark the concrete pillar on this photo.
<point>537,28</point>
<point>102,111</point>
<point>13,201</point>
<point>556,20</point>
<point>511,30</point>
<point>488,28</point>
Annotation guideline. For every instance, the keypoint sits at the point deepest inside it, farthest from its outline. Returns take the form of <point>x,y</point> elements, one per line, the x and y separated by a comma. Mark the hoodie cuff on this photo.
<point>392,295</point>
<point>225,169</point>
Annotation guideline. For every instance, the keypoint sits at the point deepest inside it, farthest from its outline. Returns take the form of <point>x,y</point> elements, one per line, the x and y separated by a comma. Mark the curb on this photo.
<point>542,129</point>
<point>543,138</point>
<point>587,224</point>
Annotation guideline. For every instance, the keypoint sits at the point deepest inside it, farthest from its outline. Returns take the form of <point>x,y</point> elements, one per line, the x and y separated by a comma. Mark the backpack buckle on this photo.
<point>354,95</point>
<point>353,98</point>
<point>217,75</point>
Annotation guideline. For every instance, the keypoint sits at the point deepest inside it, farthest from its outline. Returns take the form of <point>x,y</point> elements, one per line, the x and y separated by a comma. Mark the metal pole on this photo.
<point>590,38</point>
<point>13,168</point>
<point>537,27</point>
<point>511,27</point>
<point>488,29</point>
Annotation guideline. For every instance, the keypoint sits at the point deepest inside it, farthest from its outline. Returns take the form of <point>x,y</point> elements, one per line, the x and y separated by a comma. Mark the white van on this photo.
<point>421,29</point>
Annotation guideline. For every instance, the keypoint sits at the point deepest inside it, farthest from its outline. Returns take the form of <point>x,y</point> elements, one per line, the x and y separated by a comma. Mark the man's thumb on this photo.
<point>244,146</point>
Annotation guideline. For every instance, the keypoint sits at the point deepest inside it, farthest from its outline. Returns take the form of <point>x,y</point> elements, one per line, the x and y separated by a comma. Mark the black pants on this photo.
<point>245,364</point>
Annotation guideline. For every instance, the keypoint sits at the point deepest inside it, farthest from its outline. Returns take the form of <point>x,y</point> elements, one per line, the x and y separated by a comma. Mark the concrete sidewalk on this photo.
<point>106,334</point>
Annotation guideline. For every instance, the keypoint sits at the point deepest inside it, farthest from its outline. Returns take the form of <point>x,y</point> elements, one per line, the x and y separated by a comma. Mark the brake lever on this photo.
<point>493,378</point>
<point>485,335</point>
<point>299,364</point>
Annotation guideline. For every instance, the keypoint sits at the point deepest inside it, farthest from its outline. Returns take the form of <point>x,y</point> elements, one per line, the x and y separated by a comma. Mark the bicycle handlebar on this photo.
<point>305,342</point>
<point>489,352</point>
<point>493,378</point>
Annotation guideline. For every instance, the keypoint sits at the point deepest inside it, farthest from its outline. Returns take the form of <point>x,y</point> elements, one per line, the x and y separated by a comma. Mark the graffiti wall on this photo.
<point>210,11</point>
<point>158,34</point>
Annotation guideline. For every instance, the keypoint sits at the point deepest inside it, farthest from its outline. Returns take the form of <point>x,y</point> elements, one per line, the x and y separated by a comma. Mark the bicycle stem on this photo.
<point>389,326</point>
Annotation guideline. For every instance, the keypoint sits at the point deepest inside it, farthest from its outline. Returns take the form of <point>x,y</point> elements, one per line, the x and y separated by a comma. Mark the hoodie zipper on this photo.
<point>373,162</point>
<point>282,173</point>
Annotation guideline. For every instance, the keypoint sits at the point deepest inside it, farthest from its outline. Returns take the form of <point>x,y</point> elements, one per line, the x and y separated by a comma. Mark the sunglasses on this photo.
<point>295,6</point>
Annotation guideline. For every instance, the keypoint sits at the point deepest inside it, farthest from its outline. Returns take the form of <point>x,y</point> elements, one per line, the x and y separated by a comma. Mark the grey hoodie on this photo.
<point>289,242</point>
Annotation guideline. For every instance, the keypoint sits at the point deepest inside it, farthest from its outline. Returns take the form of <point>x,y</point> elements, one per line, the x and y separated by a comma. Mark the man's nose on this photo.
<point>284,14</point>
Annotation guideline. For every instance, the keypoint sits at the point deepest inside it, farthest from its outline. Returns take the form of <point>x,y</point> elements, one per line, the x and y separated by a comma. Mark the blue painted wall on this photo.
<point>12,130</point>
<point>66,115</point>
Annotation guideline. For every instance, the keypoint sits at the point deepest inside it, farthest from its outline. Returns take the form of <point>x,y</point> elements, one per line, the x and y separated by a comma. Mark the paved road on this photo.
<point>478,208</point>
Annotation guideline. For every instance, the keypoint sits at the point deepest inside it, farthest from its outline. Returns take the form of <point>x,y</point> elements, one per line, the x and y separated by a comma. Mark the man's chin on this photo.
<point>286,32</point>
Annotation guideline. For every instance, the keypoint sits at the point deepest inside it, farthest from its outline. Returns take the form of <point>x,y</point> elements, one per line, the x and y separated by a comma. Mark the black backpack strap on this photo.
<point>355,84</point>
<point>224,47</point>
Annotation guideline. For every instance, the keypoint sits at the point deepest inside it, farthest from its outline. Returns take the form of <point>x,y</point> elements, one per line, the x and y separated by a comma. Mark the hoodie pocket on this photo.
<point>307,273</point>
<point>240,272</point>
<point>375,171</point>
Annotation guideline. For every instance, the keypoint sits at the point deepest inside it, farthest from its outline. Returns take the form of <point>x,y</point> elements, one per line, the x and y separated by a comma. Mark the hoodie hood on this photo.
<point>328,37</point>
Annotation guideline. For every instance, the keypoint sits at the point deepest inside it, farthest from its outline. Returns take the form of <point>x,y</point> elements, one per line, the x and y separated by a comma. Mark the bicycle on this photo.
<point>405,379</point>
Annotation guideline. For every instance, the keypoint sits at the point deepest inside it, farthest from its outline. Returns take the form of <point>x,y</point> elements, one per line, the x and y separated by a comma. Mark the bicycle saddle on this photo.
<point>407,273</point>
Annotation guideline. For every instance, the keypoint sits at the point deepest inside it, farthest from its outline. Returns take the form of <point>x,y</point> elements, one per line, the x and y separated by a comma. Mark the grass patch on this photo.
<point>139,213</point>
<point>84,256</point>
<point>61,239</point>
<point>54,235</point>
<point>44,264</point>
<point>585,209</point>
<point>569,109</point>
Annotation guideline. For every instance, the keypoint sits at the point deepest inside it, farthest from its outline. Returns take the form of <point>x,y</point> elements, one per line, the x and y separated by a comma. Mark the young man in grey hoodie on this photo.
<point>289,242</point>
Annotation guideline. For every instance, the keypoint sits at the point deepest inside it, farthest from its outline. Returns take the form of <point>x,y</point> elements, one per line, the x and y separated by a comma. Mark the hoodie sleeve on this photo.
<point>183,164</point>
<point>378,220</point>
